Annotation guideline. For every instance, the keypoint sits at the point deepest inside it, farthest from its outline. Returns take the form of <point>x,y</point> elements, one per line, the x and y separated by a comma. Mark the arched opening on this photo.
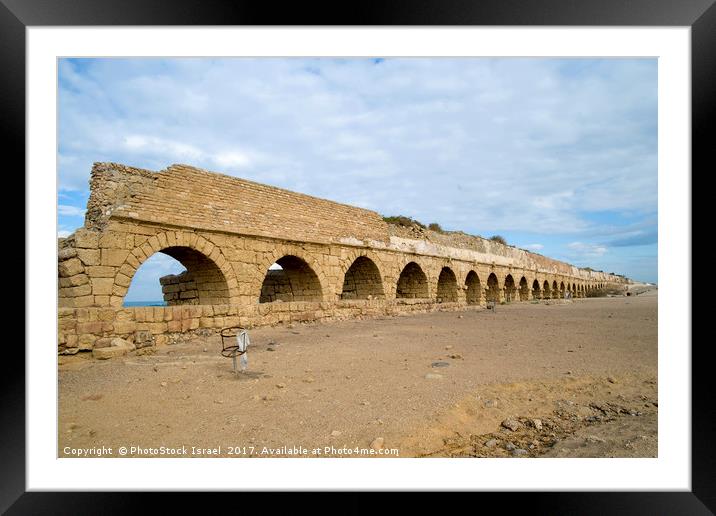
<point>561,289</point>
<point>290,279</point>
<point>362,280</point>
<point>547,291</point>
<point>555,290</point>
<point>524,289</point>
<point>447,286</point>
<point>185,277</point>
<point>510,288</point>
<point>493,289</point>
<point>472,292</point>
<point>536,291</point>
<point>412,282</point>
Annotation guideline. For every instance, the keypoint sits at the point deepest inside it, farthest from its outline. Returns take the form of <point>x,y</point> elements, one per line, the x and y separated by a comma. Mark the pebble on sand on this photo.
<point>377,443</point>
<point>512,424</point>
<point>336,433</point>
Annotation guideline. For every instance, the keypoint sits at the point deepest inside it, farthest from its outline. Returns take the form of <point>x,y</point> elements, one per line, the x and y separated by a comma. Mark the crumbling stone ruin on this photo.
<point>336,261</point>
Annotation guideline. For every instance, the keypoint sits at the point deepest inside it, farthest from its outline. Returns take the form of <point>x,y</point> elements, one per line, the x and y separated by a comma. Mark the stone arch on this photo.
<point>281,252</point>
<point>295,281</point>
<point>510,288</point>
<point>472,288</point>
<point>546,290</point>
<point>362,280</point>
<point>412,282</point>
<point>555,290</point>
<point>536,289</point>
<point>561,289</point>
<point>208,270</point>
<point>524,289</point>
<point>447,286</point>
<point>492,292</point>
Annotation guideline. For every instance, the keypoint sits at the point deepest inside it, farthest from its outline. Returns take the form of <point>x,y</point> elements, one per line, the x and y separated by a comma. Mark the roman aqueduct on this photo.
<point>336,261</point>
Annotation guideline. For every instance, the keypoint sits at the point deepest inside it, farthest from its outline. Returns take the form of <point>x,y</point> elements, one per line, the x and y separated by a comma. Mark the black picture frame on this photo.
<point>700,15</point>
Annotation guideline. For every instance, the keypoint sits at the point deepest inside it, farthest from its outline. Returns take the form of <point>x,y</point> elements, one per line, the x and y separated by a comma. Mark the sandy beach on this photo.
<point>558,379</point>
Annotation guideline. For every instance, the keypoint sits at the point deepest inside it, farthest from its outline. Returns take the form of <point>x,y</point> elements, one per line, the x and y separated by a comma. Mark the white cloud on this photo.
<point>232,159</point>
<point>583,250</point>
<point>534,247</point>
<point>63,233</point>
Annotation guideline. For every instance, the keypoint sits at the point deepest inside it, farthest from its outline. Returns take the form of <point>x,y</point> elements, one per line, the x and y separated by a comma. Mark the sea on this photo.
<point>144,303</point>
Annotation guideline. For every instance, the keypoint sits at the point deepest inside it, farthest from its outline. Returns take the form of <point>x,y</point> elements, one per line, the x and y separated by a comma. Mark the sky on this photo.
<point>558,156</point>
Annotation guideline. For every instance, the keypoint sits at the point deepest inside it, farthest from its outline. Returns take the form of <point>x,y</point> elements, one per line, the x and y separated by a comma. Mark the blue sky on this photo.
<point>558,156</point>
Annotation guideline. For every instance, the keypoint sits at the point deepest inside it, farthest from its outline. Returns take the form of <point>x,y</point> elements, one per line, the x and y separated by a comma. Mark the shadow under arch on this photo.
<point>292,280</point>
<point>412,283</point>
<point>362,280</point>
<point>472,291</point>
<point>447,286</point>
<point>493,288</point>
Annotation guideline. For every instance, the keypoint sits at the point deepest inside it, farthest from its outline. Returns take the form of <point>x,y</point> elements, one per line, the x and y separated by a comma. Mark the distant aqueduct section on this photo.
<point>336,261</point>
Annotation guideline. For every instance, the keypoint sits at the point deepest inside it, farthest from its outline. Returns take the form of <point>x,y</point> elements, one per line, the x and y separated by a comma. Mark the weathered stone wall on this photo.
<point>180,289</point>
<point>227,232</point>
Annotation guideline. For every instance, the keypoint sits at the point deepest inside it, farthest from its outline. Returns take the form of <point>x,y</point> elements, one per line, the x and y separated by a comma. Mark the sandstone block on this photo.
<point>159,313</point>
<point>67,253</point>
<point>116,301</point>
<point>122,280</point>
<point>124,315</point>
<point>83,301</point>
<point>89,256</point>
<point>72,340</point>
<point>101,271</point>
<point>119,291</point>
<point>114,257</point>
<point>112,240</point>
<point>106,314</point>
<point>86,239</point>
<point>66,325</point>
<point>109,352</point>
<point>103,342</point>
<point>132,261</point>
<point>102,286</point>
<point>154,242</point>
<point>82,290</point>
<point>74,281</point>
<point>124,327</point>
<point>94,327</point>
<point>68,268</point>
<point>101,300</point>
<point>86,342</point>
<point>65,302</point>
<point>157,327</point>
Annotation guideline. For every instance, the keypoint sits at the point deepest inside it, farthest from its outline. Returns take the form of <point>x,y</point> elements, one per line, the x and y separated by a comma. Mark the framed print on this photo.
<point>139,385</point>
